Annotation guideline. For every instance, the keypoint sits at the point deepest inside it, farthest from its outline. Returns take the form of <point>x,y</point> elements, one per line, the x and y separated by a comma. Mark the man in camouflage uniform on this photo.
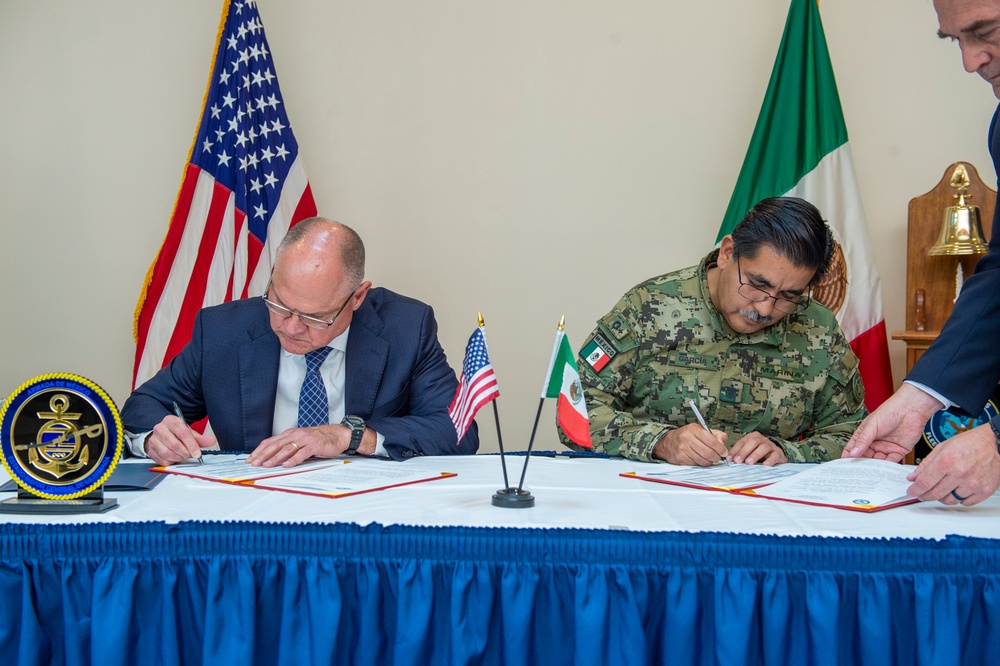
<point>768,367</point>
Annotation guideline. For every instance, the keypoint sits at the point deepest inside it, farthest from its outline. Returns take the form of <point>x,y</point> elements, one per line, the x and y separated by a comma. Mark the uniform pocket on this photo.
<point>790,405</point>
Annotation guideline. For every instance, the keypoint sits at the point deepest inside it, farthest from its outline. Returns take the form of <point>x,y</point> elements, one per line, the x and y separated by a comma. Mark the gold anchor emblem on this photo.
<point>58,448</point>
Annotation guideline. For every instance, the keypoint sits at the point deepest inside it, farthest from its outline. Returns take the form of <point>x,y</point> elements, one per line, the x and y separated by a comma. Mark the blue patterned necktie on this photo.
<point>314,409</point>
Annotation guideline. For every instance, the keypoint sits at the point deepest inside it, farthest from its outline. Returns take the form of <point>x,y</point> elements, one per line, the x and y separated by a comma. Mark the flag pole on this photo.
<point>538,414</point>
<point>503,463</point>
<point>531,441</point>
<point>507,497</point>
<point>516,498</point>
<point>496,419</point>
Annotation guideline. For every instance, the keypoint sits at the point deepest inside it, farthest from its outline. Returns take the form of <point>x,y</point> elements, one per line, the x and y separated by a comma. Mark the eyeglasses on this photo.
<point>311,322</point>
<point>781,303</point>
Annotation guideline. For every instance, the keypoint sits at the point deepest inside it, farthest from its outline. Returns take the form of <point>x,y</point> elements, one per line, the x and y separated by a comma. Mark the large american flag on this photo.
<point>476,387</point>
<point>243,187</point>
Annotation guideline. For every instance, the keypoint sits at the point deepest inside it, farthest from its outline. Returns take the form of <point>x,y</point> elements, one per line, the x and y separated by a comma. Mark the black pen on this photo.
<point>180,415</point>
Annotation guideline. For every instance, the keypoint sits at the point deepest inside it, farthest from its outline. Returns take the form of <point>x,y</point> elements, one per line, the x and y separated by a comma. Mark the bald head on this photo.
<point>319,271</point>
<point>320,245</point>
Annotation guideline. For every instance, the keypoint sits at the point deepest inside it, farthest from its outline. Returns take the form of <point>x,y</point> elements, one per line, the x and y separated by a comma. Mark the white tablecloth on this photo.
<point>569,492</point>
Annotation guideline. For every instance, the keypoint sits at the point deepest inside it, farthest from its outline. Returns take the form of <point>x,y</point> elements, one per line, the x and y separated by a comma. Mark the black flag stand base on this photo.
<point>513,498</point>
<point>516,498</point>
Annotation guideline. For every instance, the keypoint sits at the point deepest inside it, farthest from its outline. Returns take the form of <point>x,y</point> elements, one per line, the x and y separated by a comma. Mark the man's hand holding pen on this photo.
<point>173,441</point>
<point>692,444</point>
<point>697,444</point>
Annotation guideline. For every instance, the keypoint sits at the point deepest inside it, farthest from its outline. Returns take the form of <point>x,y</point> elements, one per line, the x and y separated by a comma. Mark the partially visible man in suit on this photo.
<point>322,364</point>
<point>962,367</point>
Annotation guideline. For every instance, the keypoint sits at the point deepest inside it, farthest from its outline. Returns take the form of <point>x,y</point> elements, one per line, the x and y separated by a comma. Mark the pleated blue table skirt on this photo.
<point>244,593</point>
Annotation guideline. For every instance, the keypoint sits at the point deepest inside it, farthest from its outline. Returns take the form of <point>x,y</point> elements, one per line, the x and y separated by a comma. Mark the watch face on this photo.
<point>945,423</point>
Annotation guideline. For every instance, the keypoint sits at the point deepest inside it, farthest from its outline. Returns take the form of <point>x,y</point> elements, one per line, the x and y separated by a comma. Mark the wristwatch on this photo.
<point>357,426</point>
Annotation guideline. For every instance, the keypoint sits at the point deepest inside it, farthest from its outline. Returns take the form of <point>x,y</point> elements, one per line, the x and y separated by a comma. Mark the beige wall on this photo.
<point>526,158</point>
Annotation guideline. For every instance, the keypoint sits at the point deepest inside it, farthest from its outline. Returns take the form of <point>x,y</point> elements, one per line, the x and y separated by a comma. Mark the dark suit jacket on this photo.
<point>397,377</point>
<point>963,364</point>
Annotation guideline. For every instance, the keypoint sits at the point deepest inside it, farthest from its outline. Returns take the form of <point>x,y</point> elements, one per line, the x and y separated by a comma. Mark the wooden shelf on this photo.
<point>917,343</point>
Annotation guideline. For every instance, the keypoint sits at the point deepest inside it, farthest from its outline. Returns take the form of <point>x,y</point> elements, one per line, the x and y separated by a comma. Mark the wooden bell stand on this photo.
<point>930,281</point>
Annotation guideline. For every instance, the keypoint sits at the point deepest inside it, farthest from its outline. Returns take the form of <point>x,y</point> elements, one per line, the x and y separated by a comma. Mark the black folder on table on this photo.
<point>127,476</point>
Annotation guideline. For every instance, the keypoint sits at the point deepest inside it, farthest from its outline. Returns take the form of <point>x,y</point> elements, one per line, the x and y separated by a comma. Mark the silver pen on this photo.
<point>694,408</point>
<point>189,461</point>
<point>701,420</point>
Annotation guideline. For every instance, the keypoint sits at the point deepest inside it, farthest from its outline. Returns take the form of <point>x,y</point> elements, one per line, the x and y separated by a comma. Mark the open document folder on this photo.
<point>855,484</point>
<point>727,477</point>
<point>330,477</point>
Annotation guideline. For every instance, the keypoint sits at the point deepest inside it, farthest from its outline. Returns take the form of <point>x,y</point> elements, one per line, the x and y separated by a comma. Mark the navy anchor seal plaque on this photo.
<point>60,438</point>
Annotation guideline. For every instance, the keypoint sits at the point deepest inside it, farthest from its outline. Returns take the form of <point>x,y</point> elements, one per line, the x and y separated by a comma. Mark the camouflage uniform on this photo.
<point>796,382</point>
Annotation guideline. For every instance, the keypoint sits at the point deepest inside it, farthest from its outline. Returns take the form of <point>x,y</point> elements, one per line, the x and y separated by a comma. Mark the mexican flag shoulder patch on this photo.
<point>598,353</point>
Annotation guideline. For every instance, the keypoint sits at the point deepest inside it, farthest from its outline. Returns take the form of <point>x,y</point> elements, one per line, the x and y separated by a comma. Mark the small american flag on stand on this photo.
<point>477,385</point>
<point>243,187</point>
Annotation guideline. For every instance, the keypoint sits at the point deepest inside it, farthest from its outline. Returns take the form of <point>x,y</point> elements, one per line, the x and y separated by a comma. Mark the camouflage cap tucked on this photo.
<point>664,343</point>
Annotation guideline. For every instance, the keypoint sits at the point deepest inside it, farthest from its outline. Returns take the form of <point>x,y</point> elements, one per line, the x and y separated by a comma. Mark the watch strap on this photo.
<point>357,426</point>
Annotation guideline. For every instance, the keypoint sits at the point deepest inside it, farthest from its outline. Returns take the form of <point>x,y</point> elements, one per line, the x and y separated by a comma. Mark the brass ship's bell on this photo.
<point>961,230</point>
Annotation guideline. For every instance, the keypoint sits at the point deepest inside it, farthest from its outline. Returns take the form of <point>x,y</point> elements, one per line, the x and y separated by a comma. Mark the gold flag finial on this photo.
<point>562,322</point>
<point>481,322</point>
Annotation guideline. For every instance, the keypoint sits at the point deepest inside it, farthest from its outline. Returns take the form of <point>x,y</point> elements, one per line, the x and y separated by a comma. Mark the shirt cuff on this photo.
<point>931,392</point>
<point>136,443</point>
<point>379,445</point>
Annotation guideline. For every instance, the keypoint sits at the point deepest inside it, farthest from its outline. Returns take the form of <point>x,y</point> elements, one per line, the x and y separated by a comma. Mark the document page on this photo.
<point>860,484</point>
<point>721,476</point>
<point>236,470</point>
<point>349,477</point>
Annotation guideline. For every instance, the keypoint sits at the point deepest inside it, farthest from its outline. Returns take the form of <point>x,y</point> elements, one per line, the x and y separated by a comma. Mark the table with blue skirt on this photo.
<point>604,569</point>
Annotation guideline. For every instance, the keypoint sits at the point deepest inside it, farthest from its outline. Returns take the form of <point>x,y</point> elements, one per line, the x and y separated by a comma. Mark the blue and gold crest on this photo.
<point>60,436</point>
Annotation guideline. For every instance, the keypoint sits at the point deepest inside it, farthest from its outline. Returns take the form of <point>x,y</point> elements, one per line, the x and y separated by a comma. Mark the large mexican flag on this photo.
<point>799,148</point>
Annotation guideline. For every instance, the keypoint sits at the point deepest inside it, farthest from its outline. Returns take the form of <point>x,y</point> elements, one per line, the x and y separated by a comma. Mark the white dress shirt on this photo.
<point>291,373</point>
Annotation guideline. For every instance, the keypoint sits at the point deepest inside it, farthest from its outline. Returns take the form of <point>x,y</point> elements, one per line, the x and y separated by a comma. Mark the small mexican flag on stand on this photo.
<point>563,382</point>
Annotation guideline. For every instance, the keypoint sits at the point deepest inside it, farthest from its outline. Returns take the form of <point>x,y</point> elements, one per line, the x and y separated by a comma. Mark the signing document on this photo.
<point>236,470</point>
<point>327,477</point>
<point>731,477</point>
<point>858,484</point>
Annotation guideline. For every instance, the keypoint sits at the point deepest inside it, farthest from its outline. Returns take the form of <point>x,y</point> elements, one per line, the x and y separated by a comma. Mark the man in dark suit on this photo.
<point>322,364</point>
<point>962,367</point>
